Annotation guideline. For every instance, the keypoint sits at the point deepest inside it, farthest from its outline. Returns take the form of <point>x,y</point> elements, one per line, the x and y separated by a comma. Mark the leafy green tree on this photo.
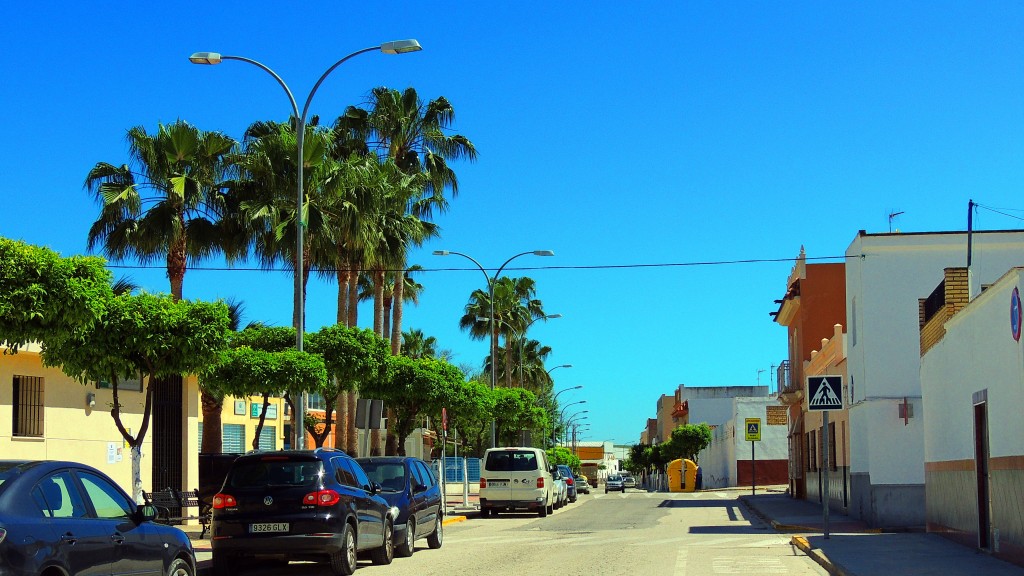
<point>562,455</point>
<point>414,386</point>
<point>471,411</point>
<point>355,358</point>
<point>640,456</point>
<point>243,372</point>
<point>45,297</point>
<point>515,410</point>
<point>687,441</point>
<point>166,202</point>
<point>151,335</point>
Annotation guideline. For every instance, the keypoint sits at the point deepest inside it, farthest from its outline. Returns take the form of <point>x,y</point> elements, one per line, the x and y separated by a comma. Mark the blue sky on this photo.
<point>654,133</point>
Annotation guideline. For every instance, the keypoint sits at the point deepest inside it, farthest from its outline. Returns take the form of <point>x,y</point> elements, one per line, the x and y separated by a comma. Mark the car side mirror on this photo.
<point>146,513</point>
<point>419,488</point>
<point>553,470</point>
<point>375,488</point>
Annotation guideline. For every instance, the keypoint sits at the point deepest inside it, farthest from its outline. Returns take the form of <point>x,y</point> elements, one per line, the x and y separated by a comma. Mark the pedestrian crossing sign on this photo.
<point>824,393</point>
<point>753,426</point>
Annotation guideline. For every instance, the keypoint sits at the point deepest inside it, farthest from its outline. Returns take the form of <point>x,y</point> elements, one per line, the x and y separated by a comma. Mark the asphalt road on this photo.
<point>605,535</point>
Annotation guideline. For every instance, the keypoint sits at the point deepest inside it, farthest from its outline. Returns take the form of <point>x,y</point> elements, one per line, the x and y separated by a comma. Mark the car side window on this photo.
<point>427,475</point>
<point>418,474</point>
<point>361,480</point>
<point>344,473</point>
<point>59,497</point>
<point>107,500</point>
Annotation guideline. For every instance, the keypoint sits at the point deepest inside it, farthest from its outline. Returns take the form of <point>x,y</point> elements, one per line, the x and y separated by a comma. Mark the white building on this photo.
<point>729,460</point>
<point>886,274</point>
<point>972,376</point>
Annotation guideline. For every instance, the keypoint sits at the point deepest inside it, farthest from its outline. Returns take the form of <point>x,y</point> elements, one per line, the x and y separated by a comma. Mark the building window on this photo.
<point>131,384</point>
<point>27,406</point>
<point>234,438</point>
<point>316,401</point>
<point>268,438</point>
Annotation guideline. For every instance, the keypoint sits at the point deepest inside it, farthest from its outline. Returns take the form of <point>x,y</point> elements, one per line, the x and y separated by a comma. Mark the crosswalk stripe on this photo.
<point>681,560</point>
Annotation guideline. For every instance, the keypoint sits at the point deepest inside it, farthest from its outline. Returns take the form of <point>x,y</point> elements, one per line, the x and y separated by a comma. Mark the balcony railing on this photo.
<point>783,380</point>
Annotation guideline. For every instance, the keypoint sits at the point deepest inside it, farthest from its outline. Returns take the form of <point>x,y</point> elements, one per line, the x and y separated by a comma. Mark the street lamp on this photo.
<point>522,342</point>
<point>209,58</point>
<point>490,326</point>
<point>554,425</point>
<point>574,417</point>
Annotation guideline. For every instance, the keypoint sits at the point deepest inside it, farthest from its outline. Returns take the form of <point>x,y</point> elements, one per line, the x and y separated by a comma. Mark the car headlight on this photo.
<point>394,511</point>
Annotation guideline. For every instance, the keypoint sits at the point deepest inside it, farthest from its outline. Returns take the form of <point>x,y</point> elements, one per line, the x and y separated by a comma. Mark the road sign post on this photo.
<point>753,434</point>
<point>825,393</point>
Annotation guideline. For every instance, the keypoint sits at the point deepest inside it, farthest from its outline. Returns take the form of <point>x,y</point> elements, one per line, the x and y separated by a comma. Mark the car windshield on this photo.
<point>615,478</point>
<point>390,475</point>
<point>511,461</point>
<point>257,473</point>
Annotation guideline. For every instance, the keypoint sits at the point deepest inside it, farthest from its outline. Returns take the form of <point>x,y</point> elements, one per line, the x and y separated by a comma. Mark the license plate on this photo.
<point>492,484</point>
<point>263,527</point>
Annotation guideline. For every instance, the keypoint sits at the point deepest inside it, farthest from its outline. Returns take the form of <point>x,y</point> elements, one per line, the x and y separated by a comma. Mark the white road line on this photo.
<point>681,560</point>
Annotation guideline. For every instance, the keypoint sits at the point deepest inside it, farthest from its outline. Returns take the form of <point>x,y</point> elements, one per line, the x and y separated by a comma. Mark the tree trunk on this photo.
<point>508,363</point>
<point>386,318</point>
<point>378,302</point>
<point>341,431</point>
<point>212,430</point>
<point>259,425</point>
<point>396,319</point>
<point>352,446</point>
<point>350,423</point>
<point>177,262</point>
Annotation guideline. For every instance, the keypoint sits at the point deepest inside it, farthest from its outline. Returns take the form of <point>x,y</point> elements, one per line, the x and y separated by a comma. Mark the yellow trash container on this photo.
<point>682,476</point>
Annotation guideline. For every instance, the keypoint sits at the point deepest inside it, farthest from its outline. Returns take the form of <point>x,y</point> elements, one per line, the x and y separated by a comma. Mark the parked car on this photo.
<point>69,518</point>
<point>570,481</point>
<point>409,485</point>
<point>315,505</point>
<point>627,480</point>
<point>561,488</point>
<point>613,482</point>
<point>582,485</point>
<point>516,478</point>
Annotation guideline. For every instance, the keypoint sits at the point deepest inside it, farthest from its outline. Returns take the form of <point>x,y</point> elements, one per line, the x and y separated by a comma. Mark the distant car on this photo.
<point>409,485</point>
<point>582,485</point>
<point>515,478</point>
<point>570,481</point>
<point>613,482</point>
<point>70,518</point>
<point>306,505</point>
<point>627,480</point>
<point>561,488</point>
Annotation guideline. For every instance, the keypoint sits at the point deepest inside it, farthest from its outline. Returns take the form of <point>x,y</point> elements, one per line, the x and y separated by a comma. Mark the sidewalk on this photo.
<point>855,550</point>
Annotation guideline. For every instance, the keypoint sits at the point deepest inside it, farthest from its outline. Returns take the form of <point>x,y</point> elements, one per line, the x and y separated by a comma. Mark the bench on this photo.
<point>171,504</point>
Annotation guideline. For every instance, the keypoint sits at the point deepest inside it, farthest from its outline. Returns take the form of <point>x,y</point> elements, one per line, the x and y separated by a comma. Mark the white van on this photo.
<point>516,478</point>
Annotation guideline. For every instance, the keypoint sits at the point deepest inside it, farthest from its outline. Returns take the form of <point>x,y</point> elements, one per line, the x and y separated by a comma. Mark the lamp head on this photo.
<point>543,253</point>
<point>553,316</point>
<point>441,252</point>
<point>205,58</point>
<point>400,46</point>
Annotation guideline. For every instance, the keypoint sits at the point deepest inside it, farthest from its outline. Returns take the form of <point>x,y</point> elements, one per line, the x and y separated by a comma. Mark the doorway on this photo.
<point>981,470</point>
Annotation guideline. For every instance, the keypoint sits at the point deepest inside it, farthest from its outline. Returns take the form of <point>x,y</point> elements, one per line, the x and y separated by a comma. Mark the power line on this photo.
<point>522,268</point>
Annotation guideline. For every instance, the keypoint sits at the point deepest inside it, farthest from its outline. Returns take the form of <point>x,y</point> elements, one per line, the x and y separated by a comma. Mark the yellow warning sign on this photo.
<point>753,426</point>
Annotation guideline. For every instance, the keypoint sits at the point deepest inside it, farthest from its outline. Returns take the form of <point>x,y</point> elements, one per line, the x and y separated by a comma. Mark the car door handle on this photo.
<point>69,539</point>
<point>117,539</point>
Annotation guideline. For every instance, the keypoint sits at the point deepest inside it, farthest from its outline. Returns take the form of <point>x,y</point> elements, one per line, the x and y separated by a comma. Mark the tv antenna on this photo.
<point>892,215</point>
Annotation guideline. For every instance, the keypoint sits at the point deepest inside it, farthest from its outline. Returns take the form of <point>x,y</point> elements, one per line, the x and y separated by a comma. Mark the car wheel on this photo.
<point>408,546</point>
<point>222,565</point>
<point>606,490</point>
<point>494,512</point>
<point>543,512</point>
<point>179,568</point>
<point>343,562</point>
<point>386,553</point>
<point>436,538</point>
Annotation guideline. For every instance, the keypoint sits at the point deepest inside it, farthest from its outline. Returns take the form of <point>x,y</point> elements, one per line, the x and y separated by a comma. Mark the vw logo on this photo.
<point>268,500</point>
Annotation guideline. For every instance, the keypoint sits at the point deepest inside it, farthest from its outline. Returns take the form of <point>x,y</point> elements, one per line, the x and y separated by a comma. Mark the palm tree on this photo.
<point>166,202</point>
<point>410,293</point>
<point>515,306</point>
<point>416,345</point>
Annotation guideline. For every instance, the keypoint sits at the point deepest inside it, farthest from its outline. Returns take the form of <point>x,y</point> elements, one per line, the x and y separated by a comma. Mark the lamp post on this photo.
<point>554,425</point>
<point>210,58</point>
<point>566,421</point>
<point>574,417</point>
<point>490,326</point>
<point>522,342</point>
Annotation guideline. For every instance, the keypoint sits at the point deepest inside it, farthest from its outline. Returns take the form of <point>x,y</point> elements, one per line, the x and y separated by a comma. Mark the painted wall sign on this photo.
<point>1015,314</point>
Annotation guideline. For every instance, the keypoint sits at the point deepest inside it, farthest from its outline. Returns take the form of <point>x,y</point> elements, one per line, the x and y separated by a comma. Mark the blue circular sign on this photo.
<point>1015,314</point>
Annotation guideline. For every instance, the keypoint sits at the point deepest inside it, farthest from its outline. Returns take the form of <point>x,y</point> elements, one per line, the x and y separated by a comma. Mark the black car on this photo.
<point>409,485</point>
<point>315,505</point>
<point>70,518</point>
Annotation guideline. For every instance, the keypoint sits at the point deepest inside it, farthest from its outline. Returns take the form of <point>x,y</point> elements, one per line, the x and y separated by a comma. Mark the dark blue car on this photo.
<point>570,481</point>
<point>409,485</point>
<point>69,518</point>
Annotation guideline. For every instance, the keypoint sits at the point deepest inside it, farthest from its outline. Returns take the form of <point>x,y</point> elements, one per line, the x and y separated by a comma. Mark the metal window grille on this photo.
<point>268,438</point>
<point>27,406</point>
<point>234,438</point>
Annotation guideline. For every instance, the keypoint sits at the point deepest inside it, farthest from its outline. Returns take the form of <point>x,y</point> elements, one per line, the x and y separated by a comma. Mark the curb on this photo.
<point>452,520</point>
<point>817,555</point>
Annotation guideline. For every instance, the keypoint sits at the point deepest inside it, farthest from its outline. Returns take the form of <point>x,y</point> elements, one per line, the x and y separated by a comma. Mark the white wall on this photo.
<point>886,274</point>
<point>977,352</point>
<point>729,444</point>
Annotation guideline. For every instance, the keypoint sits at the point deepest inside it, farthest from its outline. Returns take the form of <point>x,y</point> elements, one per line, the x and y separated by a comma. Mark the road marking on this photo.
<point>732,565</point>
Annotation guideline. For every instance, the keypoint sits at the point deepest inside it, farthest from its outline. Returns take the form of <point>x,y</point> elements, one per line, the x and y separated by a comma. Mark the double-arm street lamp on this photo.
<point>490,294</point>
<point>576,416</point>
<point>554,425</point>
<point>396,47</point>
